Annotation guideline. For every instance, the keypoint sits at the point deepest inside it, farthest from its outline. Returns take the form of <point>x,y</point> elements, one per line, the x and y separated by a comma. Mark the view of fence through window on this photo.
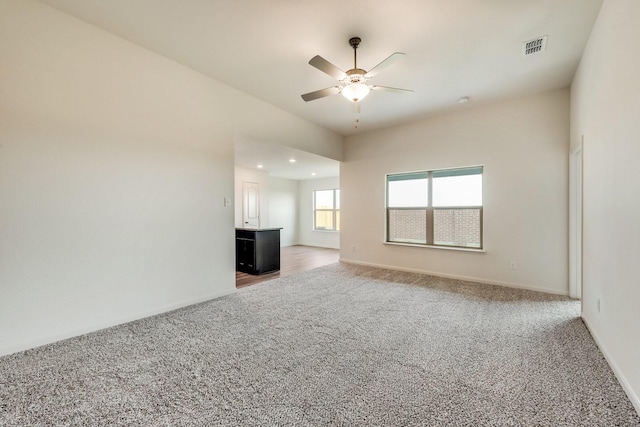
<point>438,208</point>
<point>326,209</point>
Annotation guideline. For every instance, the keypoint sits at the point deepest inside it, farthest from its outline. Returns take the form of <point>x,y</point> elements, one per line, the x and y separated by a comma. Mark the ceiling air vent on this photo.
<point>534,46</point>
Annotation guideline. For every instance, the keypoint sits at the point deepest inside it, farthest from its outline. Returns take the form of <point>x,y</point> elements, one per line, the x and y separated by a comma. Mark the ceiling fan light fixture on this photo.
<point>352,83</point>
<point>355,91</point>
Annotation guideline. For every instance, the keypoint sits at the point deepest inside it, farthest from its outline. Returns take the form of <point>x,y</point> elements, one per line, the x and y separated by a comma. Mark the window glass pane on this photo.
<point>464,190</point>
<point>324,220</point>
<point>337,199</point>
<point>456,227</point>
<point>324,199</point>
<point>408,225</point>
<point>337,220</point>
<point>407,193</point>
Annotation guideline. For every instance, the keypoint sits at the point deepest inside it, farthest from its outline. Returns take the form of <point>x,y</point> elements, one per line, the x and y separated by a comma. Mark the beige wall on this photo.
<point>283,209</point>
<point>523,145</point>
<point>114,166</point>
<point>605,109</point>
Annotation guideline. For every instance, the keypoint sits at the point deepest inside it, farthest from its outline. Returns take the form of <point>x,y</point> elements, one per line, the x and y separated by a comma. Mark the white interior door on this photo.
<point>250,204</point>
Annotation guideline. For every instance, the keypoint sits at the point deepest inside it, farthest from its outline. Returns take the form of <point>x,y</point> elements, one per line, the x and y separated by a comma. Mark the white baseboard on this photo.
<point>457,277</point>
<point>633,397</point>
<point>316,246</point>
<point>86,329</point>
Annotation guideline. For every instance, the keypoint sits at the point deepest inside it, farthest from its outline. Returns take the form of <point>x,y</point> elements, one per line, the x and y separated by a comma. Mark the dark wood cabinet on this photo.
<point>257,251</point>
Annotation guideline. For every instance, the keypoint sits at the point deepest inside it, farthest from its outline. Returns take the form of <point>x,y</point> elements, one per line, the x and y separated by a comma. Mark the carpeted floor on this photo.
<point>339,345</point>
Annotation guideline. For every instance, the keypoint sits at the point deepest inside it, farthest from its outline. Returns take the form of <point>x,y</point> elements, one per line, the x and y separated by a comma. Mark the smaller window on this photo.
<point>326,210</point>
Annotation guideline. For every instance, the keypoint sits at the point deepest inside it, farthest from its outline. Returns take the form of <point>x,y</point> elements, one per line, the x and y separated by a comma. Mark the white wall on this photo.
<point>114,163</point>
<point>308,236</point>
<point>605,108</point>
<point>523,145</point>
<point>283,209</point>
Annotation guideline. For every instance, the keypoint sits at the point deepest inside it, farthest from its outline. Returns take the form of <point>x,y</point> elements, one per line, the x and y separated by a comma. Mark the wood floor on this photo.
<point>293,259</point>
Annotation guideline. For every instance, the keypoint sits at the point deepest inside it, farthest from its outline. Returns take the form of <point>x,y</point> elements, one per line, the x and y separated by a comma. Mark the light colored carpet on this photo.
<point>339,345</point>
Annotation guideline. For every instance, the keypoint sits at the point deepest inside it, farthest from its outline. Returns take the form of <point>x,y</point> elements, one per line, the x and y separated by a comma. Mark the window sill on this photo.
<point>326,231</point>
<point>446,248</point>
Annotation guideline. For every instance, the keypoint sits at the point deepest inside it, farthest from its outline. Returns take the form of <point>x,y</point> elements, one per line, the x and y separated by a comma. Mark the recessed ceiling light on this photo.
<point>260,166</point>
<point>463,100</point>
<point>313,174</point>
<point>292,160</point>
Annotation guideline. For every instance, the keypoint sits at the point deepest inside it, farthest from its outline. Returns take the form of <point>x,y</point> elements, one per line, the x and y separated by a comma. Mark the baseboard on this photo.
<point>633,397</point>
<point>315,246</point>
<point>288,244</point>
<point>50,339</point>
<point>457,277</point>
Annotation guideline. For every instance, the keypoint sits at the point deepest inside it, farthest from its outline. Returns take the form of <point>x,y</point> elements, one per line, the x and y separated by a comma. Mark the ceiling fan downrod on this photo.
<point>355,75</point>
<point>354,42</point>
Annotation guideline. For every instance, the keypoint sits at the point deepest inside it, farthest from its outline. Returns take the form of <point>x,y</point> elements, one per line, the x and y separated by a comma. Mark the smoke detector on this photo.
<point>534,46</point>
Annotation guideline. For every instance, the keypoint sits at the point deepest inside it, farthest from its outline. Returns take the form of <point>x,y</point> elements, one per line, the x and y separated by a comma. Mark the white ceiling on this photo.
<point>275,159</point>
<point>453,48</point>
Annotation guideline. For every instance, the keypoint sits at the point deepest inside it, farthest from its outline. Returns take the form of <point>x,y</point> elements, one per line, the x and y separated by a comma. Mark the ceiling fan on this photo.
<point>354,82</point>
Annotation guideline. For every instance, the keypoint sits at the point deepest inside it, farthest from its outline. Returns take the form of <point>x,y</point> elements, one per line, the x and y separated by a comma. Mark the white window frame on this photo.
<point>429,226</point>
<point>335,210</point>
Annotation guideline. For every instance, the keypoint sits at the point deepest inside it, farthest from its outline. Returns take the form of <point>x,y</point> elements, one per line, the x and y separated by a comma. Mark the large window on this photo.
<point>326,210</point>
<point>436,208</point>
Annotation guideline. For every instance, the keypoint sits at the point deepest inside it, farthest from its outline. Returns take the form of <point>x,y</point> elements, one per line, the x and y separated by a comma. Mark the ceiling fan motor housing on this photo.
<point>355,75</point>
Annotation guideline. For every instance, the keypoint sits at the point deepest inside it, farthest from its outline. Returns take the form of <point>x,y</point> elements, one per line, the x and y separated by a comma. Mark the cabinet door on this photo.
<point>245,254</point>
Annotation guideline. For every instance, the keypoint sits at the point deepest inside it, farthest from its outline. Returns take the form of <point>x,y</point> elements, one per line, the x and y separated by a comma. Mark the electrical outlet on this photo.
<point>353,248</point>
<point>598,305</point>
<point>227,202</point>
<point>513,265</point>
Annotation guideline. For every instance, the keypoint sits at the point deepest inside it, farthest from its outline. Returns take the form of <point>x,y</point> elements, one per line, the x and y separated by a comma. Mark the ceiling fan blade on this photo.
<point>391,89</point>
<point>320,93</point>
<point>384,64</point>
<point>327,67</point>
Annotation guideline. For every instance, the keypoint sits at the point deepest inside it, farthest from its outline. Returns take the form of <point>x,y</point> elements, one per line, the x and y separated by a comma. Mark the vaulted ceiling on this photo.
<point>454,48</point>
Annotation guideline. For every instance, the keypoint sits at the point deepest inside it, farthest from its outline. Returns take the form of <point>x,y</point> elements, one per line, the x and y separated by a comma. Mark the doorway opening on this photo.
<point>274,186</point>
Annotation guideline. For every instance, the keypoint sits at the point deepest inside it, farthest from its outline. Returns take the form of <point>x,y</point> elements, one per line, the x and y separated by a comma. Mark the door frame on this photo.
<point>576,209</point>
